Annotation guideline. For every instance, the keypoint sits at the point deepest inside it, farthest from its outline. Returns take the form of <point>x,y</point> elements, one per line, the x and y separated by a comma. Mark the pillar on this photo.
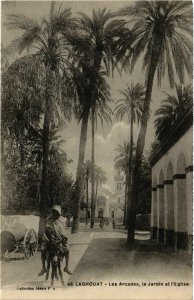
<point>189,187</point>
<point>169,212</point>
<point>160,213</point>
<point>154,214</point>
<point>180,211</point>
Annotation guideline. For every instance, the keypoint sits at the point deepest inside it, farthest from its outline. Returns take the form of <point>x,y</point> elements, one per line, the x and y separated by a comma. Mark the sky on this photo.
<point>108,137</point>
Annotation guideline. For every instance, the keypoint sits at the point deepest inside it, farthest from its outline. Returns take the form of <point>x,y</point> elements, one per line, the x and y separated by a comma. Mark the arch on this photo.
<point>119,213</point>
<point>169,171</point>
<point>181,163</point>
<point>154,181</point>
<point>161,177</point>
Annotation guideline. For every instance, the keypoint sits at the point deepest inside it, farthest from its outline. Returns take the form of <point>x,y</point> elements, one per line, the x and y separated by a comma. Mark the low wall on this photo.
<point>30,221</point>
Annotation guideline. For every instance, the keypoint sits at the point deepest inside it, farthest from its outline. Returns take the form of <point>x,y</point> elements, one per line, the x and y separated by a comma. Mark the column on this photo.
<point>160,213</point>
<point>169,212</point>
<point>189,187</point>
<point>180,211</point>
<point>154,214</point>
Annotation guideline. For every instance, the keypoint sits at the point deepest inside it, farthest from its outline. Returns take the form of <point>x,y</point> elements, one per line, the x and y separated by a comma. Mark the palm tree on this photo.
<point>172,109</point>
<point>99,178</point>
<point>131,104</point>
<point>100,110</point>
<point>162,33</point>
<point>47,39</point>
<point>87,170</point>
<point>93,52</point>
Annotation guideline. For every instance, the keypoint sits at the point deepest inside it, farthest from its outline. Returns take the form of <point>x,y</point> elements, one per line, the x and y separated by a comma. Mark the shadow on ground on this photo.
<point>10,259</point>
<point>114,259</point>
<point>33,284</point>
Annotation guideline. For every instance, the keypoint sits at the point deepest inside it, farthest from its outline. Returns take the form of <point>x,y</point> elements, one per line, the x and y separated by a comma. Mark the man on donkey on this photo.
<point>55,235</point>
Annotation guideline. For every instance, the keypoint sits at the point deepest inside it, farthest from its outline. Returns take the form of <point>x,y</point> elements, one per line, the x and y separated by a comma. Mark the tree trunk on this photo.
<point>130,167</point>
<point>2,151</point>
<point>92,175</point>
<point>97,64</point>
<point>141,139</point>
<point>79,177</point>
<point>90,94</point>
<point>96,195</point>
<point>125,204</point>
<point>87,198</point>
<point>44,188</point>
<point>21,149</point>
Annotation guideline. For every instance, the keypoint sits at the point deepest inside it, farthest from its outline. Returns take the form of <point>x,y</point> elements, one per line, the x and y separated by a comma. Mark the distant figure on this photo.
<point>113,224</point>
<point>101,223</point>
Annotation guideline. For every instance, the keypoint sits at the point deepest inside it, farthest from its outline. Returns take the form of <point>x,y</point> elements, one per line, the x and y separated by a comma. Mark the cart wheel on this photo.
<point>30,243</point>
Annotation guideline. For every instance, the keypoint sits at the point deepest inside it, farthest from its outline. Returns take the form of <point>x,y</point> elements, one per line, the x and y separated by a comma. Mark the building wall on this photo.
<point>171,218</point>
<point>116,203</point>
<point>102,206</point>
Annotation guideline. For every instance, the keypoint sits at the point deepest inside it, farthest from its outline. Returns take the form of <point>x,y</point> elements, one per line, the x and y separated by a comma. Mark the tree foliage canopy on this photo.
<point>167,21</point>
<point>172,109</point>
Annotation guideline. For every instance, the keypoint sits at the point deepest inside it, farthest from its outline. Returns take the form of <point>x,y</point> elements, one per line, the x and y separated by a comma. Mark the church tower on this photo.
<point>119,187</point>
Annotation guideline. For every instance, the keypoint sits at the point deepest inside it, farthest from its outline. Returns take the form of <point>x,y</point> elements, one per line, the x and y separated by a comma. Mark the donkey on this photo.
<point>54,260</point>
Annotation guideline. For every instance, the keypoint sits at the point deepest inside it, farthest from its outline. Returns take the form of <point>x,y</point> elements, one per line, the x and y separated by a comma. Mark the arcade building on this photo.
<point>172,176</point>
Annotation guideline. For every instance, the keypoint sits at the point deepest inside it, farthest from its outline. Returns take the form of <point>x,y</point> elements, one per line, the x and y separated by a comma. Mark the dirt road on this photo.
<point>102,261</point>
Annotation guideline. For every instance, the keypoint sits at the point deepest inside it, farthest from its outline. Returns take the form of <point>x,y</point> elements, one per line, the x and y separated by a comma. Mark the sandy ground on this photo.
<point>104,267</point>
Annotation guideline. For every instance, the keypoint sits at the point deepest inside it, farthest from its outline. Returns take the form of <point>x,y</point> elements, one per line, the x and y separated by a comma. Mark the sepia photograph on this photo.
<point>96,150</point>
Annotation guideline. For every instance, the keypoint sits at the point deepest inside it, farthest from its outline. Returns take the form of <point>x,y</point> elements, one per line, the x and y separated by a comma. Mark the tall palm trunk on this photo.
<point>130,166</point>
<point>97,64</point>
<point>126,195</point>
<point>45,157</point>
<point>157,45</point>
<point>90,94</point>
<point>44,188</point>
<point>92,174</point>
<point>2,149</point>
<point>21,150</point>
<point>96,195</point>
<point>87,197</point>
<point>79,177</point>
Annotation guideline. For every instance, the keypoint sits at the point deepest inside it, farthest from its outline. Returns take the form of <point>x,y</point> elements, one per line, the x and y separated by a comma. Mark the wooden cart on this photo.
<point>17,238</point>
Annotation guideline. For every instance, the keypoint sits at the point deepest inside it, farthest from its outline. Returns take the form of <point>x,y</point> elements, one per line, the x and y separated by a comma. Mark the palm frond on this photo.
<point>132,103</point>
<point>175,31</point>
<point>172,109</point>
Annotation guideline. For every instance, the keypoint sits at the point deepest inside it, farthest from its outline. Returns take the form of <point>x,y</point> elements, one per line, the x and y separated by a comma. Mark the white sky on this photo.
<point>109,137</point>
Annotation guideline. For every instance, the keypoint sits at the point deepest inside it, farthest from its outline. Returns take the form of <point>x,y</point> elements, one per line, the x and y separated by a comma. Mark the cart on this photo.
<point>17,238</point>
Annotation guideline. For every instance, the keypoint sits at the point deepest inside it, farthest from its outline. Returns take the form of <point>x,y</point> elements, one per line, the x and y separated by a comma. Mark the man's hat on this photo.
<point>57,208</point>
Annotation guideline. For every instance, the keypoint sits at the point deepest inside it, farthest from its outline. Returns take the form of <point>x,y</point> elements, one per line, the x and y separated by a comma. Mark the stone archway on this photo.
<point>160,206</point>
<point>180,196</point>
<point>169,206</point>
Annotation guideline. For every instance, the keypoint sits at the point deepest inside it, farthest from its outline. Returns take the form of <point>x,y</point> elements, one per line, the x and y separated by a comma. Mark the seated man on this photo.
<point>55,234</point>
